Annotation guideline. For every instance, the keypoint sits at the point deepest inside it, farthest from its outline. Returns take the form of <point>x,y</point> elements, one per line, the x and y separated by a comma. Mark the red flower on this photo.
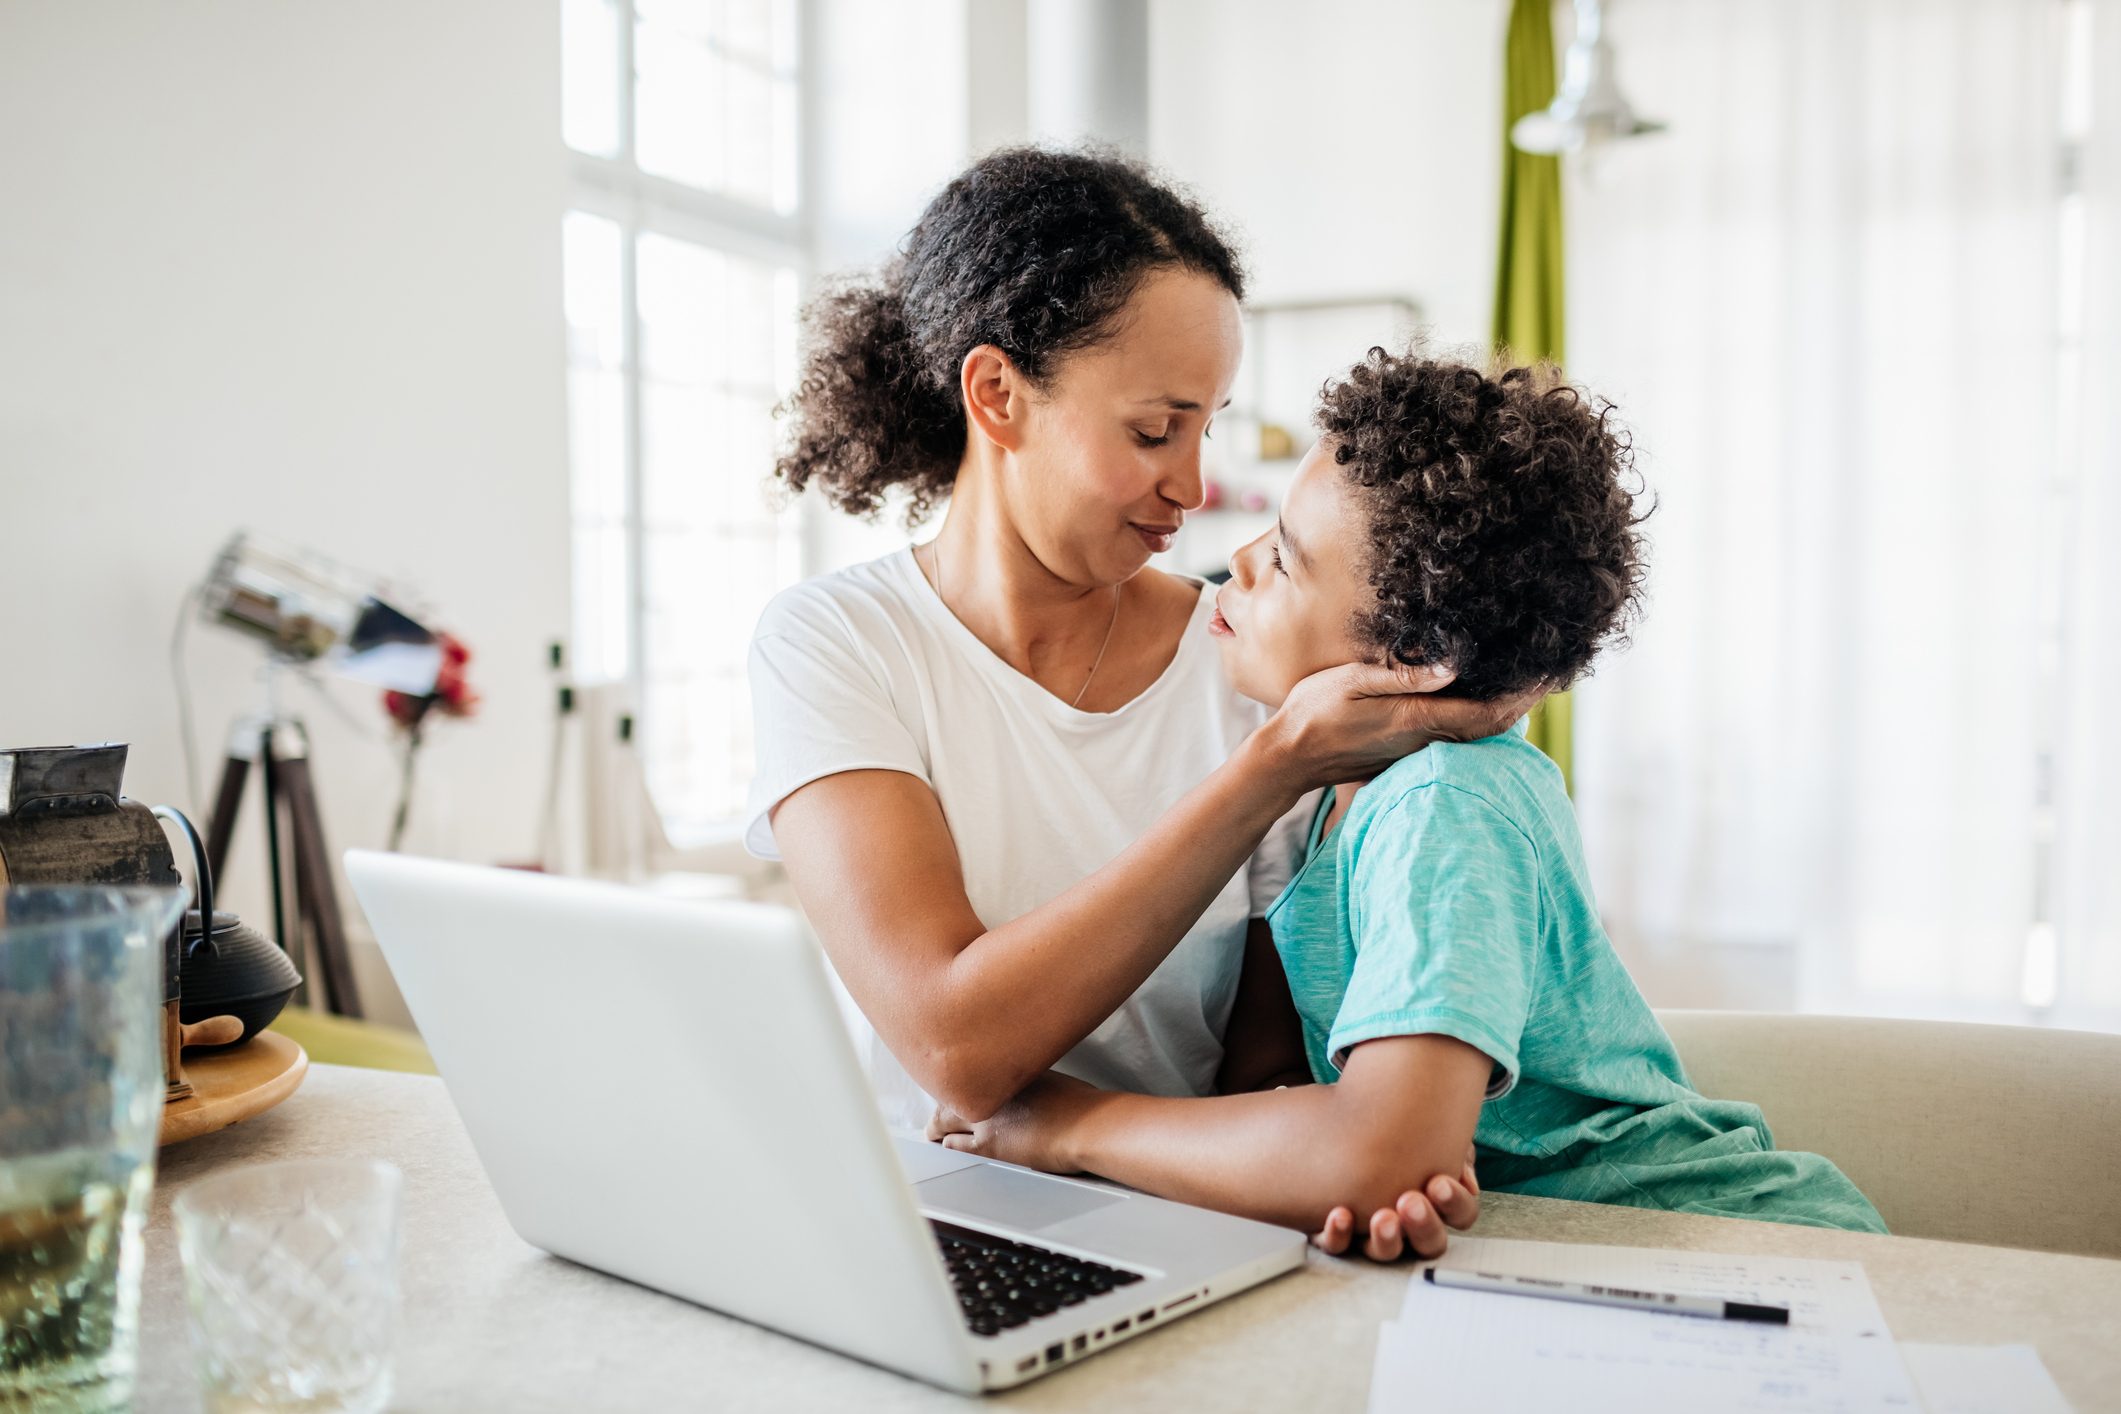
<point>452,694</point>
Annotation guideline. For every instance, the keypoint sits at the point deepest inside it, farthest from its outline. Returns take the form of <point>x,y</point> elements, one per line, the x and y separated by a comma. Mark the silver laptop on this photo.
<point>664,1090</point>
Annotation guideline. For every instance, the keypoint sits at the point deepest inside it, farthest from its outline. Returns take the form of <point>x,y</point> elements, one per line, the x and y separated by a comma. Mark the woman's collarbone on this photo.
<point>1144,644</point>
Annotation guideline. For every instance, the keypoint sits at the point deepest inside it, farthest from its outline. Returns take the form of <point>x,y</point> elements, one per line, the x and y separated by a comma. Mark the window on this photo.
<point>682,251</point>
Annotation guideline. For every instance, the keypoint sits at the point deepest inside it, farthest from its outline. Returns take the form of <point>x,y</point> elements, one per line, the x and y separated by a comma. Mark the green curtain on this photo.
<point>1528,268</point>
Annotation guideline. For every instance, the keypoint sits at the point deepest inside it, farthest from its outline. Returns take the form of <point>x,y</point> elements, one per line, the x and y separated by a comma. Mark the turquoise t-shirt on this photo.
<point>1452,899</point>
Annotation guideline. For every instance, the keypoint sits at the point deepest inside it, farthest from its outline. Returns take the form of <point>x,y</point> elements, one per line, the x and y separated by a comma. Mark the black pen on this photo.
<point>1679,1305</point>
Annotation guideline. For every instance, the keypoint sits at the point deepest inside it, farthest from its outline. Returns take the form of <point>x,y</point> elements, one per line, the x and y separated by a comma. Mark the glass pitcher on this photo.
<point>81,1098</point>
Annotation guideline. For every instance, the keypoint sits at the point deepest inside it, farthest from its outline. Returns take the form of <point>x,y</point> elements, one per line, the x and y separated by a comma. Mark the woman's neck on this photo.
<point>990,577</point>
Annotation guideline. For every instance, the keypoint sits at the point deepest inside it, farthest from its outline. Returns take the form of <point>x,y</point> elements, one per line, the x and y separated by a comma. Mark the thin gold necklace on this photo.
<point>935,562</point>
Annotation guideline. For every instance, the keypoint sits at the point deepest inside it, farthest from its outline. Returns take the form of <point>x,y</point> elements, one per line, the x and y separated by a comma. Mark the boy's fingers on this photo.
<point>1332,1239</point>
<point>1382,1245</point>
<point>1457,1206</point>
<point>1423,1227</point>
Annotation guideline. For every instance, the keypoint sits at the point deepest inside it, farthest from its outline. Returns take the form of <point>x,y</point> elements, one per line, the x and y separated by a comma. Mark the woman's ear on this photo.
<point>995,396</point>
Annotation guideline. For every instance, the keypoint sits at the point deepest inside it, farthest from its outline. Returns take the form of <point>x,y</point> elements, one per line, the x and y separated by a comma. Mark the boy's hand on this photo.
<point>1417,1223</point>
<point>1030,1130</point>
<point>1034,1129</point>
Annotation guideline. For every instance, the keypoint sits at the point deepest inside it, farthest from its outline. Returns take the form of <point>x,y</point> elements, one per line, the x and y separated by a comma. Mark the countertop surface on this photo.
<point>492,1323</point>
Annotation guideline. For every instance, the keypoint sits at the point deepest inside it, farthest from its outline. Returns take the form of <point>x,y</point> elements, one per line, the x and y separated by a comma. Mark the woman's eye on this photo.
<point>1276,549</point>
<point>1148,441</point>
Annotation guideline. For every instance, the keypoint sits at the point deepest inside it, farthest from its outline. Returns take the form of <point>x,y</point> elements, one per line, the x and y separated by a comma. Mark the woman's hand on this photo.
<point>1417,1223</point>
<point>1349,723</point>
<point>1031,1130</point>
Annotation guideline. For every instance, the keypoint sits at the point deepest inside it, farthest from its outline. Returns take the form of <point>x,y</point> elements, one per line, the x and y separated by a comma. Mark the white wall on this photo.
<point>1353,148</point>
<point>891,120</point>
<point>906,92</point>
<point>1090,78</point>
<point>1354,144</point>
<point>292,267</point>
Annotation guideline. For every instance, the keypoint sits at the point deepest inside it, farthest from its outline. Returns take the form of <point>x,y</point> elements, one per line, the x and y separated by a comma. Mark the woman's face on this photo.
<point>1110,461</point>
<point>1295,593</point>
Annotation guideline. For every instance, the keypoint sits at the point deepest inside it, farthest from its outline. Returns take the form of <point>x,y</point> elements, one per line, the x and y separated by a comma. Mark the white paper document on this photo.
<point>1479,1350</point>
<point>1982,1379</point>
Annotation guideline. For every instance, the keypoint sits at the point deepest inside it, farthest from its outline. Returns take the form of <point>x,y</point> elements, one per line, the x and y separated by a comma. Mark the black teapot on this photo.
<point>234,970</point>
<point>228,968</point>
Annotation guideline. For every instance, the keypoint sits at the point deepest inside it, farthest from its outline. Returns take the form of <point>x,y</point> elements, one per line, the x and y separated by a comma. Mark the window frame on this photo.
<point>640,203</point>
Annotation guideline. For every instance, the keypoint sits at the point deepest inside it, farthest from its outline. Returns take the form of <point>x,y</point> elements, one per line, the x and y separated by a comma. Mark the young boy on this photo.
<point>1441,945</point>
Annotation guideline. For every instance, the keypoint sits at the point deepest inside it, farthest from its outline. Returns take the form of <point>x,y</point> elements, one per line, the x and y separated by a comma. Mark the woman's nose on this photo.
<point>1186,486</point>
<point>1240,564</point>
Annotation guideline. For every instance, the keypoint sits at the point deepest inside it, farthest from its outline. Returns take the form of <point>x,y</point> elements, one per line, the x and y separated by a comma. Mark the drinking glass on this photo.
<point>81,1097</point>
<point>291,1270</point>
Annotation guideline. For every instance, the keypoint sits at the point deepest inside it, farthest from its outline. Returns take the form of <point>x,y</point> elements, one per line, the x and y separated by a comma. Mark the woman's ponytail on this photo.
<point>867,415</point>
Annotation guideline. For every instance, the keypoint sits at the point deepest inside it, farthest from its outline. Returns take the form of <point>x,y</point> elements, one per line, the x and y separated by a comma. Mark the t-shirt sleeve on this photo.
<point>1443,903</point>
<point>1274,863</point>
<point>820,705</point>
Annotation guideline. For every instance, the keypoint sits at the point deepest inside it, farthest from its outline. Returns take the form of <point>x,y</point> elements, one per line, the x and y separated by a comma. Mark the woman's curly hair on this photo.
<point>1030,250</point>
<point>1502,511</point>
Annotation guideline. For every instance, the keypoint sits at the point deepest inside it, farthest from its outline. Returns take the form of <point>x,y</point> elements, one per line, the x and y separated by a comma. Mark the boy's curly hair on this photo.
<point>1503,539</point>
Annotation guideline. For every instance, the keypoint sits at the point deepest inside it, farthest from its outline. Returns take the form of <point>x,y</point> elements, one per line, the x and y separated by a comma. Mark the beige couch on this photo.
<point>2009,1135</point>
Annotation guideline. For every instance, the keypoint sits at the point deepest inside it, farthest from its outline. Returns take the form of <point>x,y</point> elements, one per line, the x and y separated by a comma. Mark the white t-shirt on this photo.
<point>866,668</point>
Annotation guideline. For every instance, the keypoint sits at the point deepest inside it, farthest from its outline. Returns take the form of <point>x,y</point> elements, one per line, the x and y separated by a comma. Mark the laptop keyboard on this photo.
<point>1003,1284</point>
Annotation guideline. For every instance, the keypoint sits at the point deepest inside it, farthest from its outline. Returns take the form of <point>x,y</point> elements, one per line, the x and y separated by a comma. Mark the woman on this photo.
<point>1018,800</point>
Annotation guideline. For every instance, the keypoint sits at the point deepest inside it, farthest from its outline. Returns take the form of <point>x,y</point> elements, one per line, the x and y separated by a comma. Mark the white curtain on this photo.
<point>2088,789</point>
<point>1828,302</point>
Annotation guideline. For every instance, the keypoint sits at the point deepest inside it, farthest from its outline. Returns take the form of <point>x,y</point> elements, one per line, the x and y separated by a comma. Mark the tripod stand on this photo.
<point>280,746</point>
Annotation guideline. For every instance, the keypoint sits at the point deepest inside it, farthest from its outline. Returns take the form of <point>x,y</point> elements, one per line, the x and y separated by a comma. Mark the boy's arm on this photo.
<point>1263,1046</point>
<point>1404,1105</point>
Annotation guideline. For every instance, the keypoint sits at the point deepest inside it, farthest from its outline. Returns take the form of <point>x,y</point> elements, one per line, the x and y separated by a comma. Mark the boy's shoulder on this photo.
<point>1505,772</point>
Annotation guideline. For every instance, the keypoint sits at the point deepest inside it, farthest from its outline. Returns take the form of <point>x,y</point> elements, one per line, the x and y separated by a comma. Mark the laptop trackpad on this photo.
<point>1009,1198</point>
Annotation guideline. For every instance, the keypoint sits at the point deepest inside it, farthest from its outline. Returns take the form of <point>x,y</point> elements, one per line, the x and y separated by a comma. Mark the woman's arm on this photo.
<point>1404,1104</point>
<point>975,1013</point>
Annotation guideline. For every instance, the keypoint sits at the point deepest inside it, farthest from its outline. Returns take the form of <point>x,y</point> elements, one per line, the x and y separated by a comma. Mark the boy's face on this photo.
<point>1277,624</point>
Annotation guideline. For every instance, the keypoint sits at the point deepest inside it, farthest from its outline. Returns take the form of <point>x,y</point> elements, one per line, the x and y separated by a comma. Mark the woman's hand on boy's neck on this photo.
<point>1352,722</point>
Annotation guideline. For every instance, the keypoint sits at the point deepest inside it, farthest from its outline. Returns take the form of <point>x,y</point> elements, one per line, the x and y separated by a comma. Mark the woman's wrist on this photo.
<point>1272,758</point>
